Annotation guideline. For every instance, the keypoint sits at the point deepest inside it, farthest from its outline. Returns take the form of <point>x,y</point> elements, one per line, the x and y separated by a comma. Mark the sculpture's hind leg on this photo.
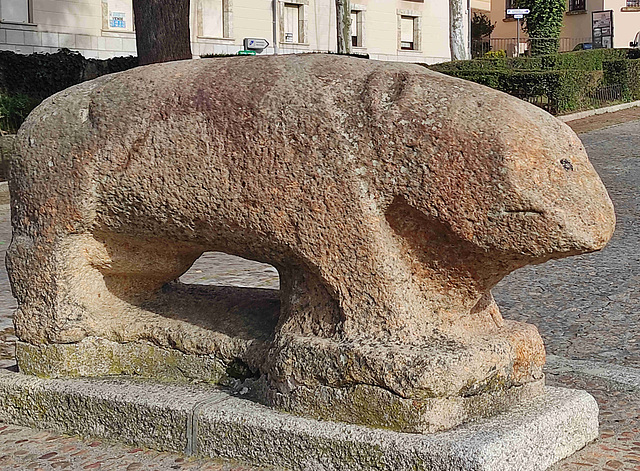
<point>88,282</point>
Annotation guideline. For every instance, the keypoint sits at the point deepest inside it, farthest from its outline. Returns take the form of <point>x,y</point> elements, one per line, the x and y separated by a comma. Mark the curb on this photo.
<point>203,420</point>
<point>621,376</point>
<point>608,109</point>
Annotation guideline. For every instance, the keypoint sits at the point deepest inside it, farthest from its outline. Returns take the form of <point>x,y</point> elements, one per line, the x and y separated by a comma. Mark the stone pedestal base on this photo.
<point>226,335</point>
<point>377,407</point>
<point>207,421</point>
<point>363,404</point>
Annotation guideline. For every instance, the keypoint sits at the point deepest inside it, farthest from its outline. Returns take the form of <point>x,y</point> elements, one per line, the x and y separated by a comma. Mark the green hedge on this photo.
<point>634,78</point>
<point>14,109</point>
<point>559,82</point>
<point>580,60</point>
<point>41,75</point>
<point>564,90</point>
<point>626,73</point>
<point>26,80</point>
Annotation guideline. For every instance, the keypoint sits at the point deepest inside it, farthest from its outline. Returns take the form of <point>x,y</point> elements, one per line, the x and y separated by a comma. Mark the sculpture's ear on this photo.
<point>385,89</point>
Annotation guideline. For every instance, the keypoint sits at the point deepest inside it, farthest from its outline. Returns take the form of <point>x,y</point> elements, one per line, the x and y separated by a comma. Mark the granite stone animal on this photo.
<point>390,198</point>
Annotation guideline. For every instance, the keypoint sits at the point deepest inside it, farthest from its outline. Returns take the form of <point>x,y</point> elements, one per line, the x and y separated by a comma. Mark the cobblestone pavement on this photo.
<point>587,308</point>
<point>23,448</point>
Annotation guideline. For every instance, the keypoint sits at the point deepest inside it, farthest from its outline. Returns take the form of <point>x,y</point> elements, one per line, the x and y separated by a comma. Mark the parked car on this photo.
<point>636,42</point>
<point>583,46</point>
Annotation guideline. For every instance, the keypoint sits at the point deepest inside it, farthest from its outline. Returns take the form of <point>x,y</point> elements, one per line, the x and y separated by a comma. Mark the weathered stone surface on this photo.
<point>390,199</point>
<point>98,357</point>
<point>377,407</point>
<point>530,437</point>
<point>137,412</point>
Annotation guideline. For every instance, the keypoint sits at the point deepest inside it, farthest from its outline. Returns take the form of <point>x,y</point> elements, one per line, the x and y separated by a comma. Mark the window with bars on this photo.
<point>120,15</point>
<point>577,5</point>
<point>292,23</point>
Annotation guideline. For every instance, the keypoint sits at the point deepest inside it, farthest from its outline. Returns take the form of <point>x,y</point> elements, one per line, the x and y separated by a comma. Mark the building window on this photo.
<point>577,5</point>
<point>357,39</point>
<point>117,15</point>
<point>212,14</point>
<point>214,19</point>
<point>508,4</point>
<point>15,11</point>
<point>409,33</point>
<point>633,3</point>
<point>292,23</point>
<point>409,25</point>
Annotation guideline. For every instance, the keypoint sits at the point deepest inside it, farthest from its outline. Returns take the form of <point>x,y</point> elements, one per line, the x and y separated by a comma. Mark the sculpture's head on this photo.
<point>555,204</point>
<point>494,183</point>
<point>507,176</point>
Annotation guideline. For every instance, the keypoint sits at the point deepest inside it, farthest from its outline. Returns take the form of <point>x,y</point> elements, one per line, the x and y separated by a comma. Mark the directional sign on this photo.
<point>255,44</point>
<point>518,11</point>
<point>518,17</point>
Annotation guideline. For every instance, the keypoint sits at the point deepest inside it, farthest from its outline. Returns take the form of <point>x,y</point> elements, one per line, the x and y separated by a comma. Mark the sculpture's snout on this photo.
<point>563,193</point>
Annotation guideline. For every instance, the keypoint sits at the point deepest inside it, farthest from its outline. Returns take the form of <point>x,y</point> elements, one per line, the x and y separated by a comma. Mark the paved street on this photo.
<point>587,309</point>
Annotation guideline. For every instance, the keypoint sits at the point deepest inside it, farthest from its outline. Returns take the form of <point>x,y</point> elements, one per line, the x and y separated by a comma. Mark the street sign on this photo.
<point>518,14</point>
<point>117,19</point>
<point>255,44</point>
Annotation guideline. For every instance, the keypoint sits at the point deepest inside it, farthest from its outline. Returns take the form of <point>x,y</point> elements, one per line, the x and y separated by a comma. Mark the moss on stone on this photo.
<point>97,357</point>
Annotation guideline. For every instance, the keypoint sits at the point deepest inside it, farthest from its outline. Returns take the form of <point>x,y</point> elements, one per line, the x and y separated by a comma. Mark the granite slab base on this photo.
<point>207,421</point>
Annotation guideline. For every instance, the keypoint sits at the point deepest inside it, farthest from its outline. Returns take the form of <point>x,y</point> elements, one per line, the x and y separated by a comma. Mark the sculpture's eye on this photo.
<point>566,164</point>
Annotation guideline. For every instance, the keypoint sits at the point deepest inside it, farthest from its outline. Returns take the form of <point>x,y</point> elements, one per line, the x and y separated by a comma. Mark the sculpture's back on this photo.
<point>391,200</point>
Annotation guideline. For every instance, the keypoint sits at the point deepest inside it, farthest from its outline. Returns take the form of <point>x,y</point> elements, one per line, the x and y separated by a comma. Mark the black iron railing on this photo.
<point>512,48</point>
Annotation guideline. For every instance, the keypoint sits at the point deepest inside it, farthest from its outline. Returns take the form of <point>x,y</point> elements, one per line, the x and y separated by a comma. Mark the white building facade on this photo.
<point>397,30</point>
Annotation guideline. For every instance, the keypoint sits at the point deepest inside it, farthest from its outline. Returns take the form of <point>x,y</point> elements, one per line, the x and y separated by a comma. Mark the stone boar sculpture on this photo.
<point>390,198</point>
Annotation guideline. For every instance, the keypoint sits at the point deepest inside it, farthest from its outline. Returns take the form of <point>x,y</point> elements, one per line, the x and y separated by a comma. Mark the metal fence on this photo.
<point>513,48</point>
<point>597,98</point>
<point>604,95</point>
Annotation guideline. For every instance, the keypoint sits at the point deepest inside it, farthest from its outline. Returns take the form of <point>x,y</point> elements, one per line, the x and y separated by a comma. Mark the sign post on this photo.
<point>255,44</point>
<point>518,14</point>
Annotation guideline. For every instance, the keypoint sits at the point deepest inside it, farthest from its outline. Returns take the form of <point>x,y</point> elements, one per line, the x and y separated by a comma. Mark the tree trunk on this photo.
<point>343,14</point>
<point>162,30</point>
<point>457,30</point>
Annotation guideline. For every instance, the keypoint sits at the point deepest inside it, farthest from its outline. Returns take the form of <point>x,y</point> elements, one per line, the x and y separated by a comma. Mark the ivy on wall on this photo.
<point>544,23</point>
